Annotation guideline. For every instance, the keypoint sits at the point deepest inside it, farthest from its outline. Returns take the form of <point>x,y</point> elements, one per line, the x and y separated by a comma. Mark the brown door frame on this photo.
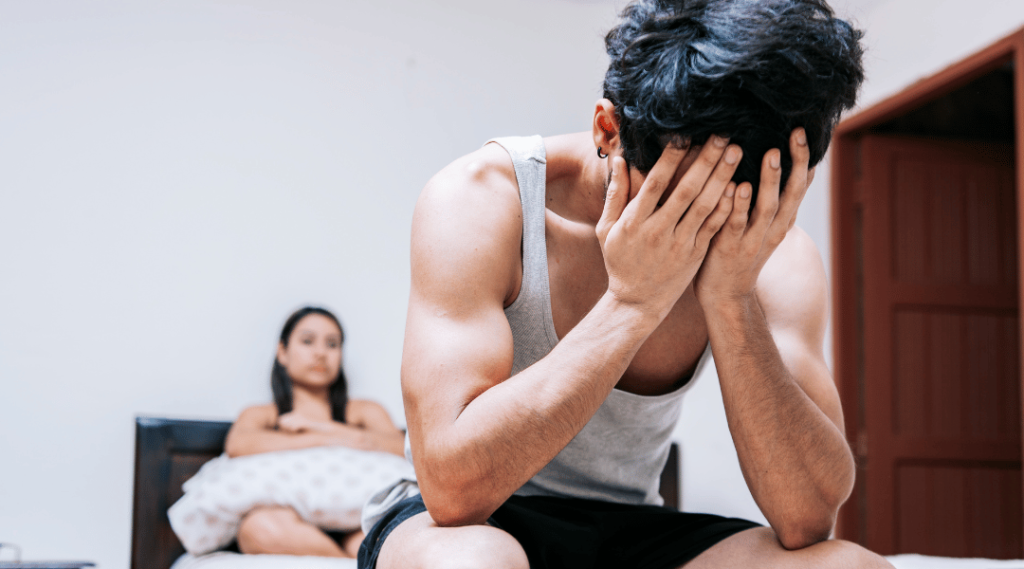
<point>846,197</point>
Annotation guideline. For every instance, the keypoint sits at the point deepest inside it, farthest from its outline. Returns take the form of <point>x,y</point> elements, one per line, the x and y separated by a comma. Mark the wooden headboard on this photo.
<point>169,451</point>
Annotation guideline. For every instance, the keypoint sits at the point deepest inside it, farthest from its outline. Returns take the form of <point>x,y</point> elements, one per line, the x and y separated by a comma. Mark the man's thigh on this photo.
<point>760,548</point>
<point>419,543</point>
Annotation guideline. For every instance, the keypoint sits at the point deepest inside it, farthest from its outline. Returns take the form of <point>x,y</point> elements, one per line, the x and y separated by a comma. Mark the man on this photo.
<point>564,289</point>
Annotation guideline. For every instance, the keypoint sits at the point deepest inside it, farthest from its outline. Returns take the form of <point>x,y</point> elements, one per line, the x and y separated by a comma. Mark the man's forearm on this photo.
<point>795,459</point>
<point>510,431</point>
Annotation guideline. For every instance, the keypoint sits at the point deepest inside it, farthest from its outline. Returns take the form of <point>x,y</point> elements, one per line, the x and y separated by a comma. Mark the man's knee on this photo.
<point>262,530</point>
<point>419,544</point>
<point>848,554</point>
<point>763,545</point>
<point>486,551</point>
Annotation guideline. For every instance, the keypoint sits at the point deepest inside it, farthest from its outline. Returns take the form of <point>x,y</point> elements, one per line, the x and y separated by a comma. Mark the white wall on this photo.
<point>913,39</point>
<point>176,178</point>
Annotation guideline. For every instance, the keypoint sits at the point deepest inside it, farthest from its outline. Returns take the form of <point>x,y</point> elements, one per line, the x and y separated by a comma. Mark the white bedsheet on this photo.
<point>910,561</point>
<point>228,560</point>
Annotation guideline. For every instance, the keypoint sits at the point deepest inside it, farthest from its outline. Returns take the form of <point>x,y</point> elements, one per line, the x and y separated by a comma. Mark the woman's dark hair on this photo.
<point>752,70</point>
<point>281,382</point>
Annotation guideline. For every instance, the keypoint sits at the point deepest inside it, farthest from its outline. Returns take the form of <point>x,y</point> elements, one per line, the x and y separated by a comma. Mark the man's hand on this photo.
<point>739,251</point>
<point>652,253</point>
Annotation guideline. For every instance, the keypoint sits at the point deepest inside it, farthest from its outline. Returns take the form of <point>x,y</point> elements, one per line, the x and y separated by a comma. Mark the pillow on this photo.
<point>326,486</point>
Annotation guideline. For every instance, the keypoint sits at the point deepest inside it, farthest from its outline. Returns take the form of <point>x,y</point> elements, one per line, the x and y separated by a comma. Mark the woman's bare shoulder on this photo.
<point>258,416</point>
<point>359,407</point>
<point>366,413</point>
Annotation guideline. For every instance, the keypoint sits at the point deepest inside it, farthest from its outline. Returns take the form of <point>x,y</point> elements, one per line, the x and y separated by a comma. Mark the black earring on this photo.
<point>599,155</point>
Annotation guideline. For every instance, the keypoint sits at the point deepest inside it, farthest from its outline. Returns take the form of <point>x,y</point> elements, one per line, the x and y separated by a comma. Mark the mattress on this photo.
<point>228,560</point>
<point>910,561</point>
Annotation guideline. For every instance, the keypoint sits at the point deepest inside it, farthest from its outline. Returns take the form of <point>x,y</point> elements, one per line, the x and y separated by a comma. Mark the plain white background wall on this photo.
<point>175,179</point>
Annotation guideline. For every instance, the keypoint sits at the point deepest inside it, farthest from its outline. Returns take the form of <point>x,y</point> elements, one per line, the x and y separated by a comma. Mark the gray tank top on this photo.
<point>620,453</point>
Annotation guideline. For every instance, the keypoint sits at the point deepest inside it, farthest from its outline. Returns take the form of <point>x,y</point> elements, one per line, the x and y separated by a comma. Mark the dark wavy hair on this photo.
<point>752,70</point>
<point>281,382</point>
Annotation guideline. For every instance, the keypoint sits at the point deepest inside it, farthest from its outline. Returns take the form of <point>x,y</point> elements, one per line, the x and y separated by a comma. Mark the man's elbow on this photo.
<point>454,515</point>
<point>809,525</point>
<point>805,533</point>
<point>453,502</point>
<point>815,522</point>
<point>454,510</point>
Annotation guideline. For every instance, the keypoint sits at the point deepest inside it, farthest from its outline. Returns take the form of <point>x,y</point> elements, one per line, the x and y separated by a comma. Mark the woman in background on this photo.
<point>311,408</point>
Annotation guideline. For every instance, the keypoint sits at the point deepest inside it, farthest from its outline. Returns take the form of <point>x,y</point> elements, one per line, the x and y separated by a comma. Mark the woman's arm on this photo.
<point>366,427</point>
<point>254,433</point>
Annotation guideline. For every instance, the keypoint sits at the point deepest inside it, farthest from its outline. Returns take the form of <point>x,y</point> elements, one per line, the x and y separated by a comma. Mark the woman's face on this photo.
<point>313,354</point>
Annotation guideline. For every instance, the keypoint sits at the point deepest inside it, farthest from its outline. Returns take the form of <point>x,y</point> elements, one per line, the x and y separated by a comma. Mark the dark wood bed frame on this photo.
<point>169,451</point>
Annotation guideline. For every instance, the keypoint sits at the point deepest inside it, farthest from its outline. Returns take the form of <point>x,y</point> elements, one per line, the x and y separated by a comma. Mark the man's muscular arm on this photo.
<point>477,435</point>
<point>781,403</point>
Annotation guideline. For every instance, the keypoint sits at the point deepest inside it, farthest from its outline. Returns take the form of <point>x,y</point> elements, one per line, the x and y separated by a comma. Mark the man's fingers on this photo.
<point>714,222</point>
<point>768,193</point>
<point>799,179</point>
<point>657,180</point>
<point>741,196</point>
<point>616,198</point>
<point>698,206</point>
<point>697,177</point>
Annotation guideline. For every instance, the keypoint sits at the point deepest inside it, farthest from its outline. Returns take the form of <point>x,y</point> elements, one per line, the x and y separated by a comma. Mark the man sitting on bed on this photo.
<point>565,289</point>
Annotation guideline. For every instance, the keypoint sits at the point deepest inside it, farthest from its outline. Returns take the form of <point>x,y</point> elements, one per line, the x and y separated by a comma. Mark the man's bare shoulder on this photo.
<point>484,177</point>
<point>796,249</point>
<point>792,287</point>
<point>467,228</point>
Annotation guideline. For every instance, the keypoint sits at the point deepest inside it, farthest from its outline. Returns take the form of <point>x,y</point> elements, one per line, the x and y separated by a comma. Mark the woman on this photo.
<point>311,408</point>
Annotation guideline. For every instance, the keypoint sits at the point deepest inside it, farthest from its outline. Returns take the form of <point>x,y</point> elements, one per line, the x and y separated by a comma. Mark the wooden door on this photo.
<point>941,445</point>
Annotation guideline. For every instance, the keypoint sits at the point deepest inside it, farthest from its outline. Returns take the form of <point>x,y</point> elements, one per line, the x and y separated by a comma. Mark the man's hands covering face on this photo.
<point>740,249</point>
<point>652,252</point>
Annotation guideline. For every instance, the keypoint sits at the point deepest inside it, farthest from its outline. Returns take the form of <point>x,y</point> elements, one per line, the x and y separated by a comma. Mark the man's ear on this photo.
<point>606,127</point>
<point>282,355</point>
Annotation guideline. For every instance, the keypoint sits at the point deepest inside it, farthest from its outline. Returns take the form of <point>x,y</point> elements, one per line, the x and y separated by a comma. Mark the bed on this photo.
<point>169,451</point>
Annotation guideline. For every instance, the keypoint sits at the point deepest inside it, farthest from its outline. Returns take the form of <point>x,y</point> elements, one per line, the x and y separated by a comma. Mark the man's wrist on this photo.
<point>728,305</point>
<point>644,319</point>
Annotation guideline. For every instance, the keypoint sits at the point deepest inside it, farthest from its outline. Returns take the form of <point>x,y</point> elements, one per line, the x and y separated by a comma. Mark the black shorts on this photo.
<point>573,533</point>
